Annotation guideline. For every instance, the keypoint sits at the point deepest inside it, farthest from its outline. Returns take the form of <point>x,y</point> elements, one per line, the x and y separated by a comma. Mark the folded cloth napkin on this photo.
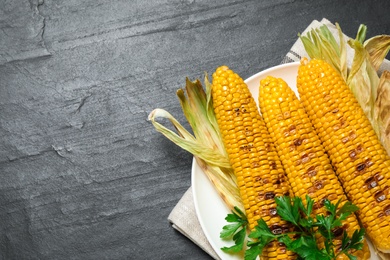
<point>183,216</point>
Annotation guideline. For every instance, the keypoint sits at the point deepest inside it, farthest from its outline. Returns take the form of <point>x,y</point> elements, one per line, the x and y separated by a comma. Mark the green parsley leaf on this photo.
<point>287,210</point>
<point>309,206</point>
<point>290,243</point>
<point>306,247</point>
<point>351,257</point>
<point>331,207</point>
<point>236,216</point>
<point>236,230</point>
<point>325,225</point>
<point>357,239</point>
<point>262,231</point>
<point>254,251</point>
<point>305,210</point>
<point>262,236</point>
<point>239,239</point>
<point>229,230</point>
<point>348,207</point>
<point>306,223</point>
<point>355,242</point>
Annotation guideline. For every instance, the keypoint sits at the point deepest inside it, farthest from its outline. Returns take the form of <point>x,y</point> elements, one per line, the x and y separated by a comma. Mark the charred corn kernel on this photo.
<point>360,161</point>
<point>255,162</point>
<point>305,162</point>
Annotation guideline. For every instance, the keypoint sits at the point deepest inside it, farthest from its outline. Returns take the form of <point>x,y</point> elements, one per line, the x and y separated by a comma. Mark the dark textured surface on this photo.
<point>84,175</point>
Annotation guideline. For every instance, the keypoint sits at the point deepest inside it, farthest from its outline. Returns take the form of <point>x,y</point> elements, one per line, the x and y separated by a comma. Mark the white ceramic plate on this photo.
<point>210,208</point>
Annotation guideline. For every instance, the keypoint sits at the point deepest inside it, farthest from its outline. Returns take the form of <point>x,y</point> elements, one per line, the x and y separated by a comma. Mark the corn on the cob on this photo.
<point>303,157</point>
<point>259,172</point>
<point>359,159</point>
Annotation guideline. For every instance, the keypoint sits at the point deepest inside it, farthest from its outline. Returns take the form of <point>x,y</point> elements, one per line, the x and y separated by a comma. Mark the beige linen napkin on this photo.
<point>183,216</point>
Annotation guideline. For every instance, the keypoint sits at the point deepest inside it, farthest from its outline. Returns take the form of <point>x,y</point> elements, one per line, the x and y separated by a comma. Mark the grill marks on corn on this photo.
<point>360,161</point>
<point>297,146</point>
<point>303,157</point>
<point>260,175</point>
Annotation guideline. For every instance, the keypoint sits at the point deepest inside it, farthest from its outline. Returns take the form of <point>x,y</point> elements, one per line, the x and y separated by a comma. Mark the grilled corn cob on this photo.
<point>360,162</point>
<point>260,176</point>
<point>303,157</point>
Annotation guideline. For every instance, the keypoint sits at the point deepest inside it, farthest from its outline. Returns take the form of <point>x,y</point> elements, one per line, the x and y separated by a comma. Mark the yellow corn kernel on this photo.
<point>359,160</point>
<point>305,162</point>
<point>255,163</point>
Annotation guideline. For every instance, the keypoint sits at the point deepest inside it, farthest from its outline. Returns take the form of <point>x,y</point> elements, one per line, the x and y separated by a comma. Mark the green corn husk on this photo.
<point>320,44</point>
<point>363,79</point>
<point>206,144</point>
<point>362,76</point>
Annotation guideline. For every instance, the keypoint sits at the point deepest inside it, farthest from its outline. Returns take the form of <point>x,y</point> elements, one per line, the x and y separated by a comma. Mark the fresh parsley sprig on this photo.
<point>303,238</point>
<point>236,230</point>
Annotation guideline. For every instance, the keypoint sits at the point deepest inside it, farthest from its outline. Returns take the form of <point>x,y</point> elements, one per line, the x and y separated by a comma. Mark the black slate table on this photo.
<point>83,174</point>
